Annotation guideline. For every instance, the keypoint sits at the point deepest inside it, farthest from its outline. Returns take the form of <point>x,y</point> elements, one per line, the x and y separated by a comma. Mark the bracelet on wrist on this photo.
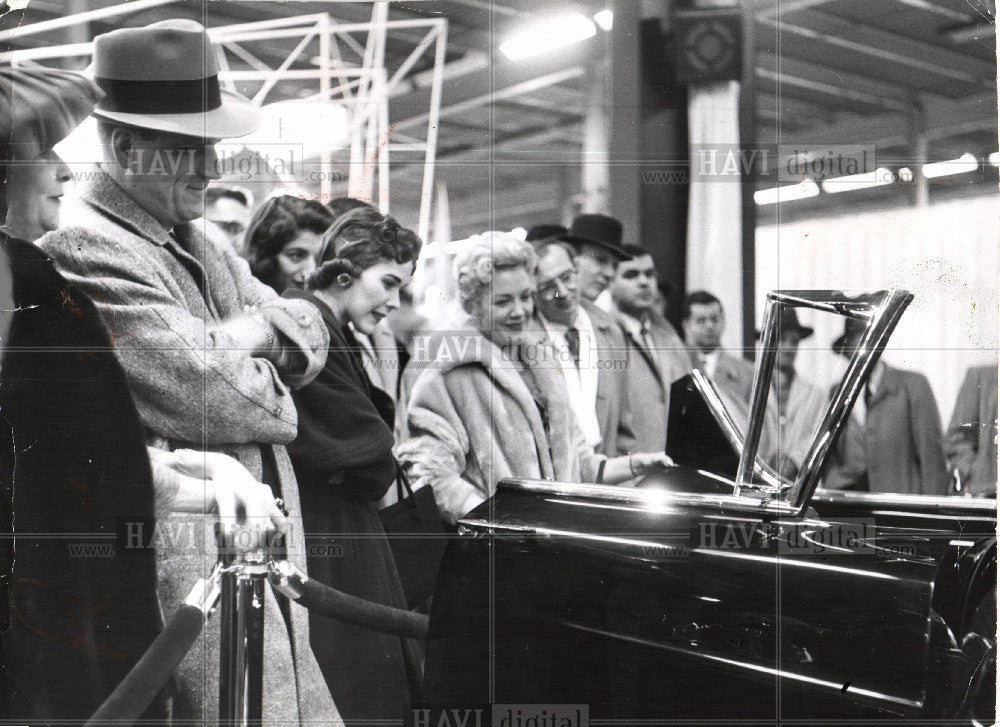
<point>600,472</point>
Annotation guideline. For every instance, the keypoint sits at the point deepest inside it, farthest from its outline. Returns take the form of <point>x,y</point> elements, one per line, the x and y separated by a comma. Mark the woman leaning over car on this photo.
<point>492,403</point>
<point>343,460</point>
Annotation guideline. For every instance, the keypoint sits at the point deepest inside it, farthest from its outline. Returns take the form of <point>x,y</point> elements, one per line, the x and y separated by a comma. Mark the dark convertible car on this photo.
<point>723,591</point>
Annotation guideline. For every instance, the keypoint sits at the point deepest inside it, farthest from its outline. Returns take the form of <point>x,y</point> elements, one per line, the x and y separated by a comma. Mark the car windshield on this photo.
<point>817,359</point>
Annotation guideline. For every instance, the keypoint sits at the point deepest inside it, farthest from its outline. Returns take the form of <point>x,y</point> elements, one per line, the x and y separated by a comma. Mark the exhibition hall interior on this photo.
<point>409,362</point>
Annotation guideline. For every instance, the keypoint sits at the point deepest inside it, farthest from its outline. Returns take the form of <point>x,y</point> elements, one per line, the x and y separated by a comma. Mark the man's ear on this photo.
<point>471,307</point>
<point>123,148</point>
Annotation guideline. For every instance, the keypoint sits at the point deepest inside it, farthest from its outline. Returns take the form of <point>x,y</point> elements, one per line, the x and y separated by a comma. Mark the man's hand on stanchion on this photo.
<point>244,505</point>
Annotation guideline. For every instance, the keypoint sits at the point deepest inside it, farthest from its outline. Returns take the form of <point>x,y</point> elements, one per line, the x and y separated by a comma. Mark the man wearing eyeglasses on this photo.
<point>589,345</point>
<point>656,355</point>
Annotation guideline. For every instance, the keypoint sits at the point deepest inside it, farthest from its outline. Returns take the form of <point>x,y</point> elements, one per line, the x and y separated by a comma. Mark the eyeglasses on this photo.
<point>552,290</point>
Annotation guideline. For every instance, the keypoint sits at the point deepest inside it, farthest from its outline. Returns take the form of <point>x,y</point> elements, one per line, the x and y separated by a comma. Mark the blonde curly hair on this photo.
<point>485,254</point>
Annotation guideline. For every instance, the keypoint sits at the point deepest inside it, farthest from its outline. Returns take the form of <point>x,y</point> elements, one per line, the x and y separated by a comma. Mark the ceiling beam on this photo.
<point>513,91</point>
<point>767,8</point>
<point>912,55</point>
<point>941,118</point>
<point>829,81</point>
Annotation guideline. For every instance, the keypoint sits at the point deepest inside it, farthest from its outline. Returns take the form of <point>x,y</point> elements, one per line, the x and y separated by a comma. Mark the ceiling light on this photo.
<point>905,174</point>
<point>859,181</point>
<point>994,158</point>
<point>804,189</point>
<point>964,164</point>
<point>300,127</point>
<point>548,35</point>
<point>605,19</point>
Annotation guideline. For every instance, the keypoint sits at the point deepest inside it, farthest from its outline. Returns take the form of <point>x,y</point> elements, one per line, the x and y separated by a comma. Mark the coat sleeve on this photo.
<point>925,428</point>
<point>190,382</point>
<point>437,450</point>
<point>847,468</point>
<point>961,441</point>
<point>342,442</point>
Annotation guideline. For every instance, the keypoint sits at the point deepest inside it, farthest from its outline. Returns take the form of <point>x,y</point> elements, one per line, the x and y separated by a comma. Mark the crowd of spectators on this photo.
<point>202,354</point>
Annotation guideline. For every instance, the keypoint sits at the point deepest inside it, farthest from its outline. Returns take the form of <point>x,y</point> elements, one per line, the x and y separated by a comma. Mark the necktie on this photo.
<point>647,341</point>
<point>573,341</point>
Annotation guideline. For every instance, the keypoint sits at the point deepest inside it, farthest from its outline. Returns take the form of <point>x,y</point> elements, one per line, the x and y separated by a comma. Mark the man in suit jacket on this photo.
<point>209,351</point>
<point>703,323</point>
<point>656,355</point>
<point>892,443</point>
<point>971,442</point>
<point>589,345</point>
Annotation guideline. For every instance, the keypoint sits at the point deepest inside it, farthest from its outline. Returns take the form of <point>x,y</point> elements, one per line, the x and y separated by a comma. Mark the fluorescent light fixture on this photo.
<point>309,128</point>
<point>605,19</point>
<point>859,181</point>
<point>556,32</point>
<point>804,189</point>
<point>995,158</point>
<point>964,164</point>
<point>905,174</point>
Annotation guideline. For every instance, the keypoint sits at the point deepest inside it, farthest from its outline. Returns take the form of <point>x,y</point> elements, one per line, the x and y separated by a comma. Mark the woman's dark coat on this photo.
<point>73,473</point>
<point>343,463</point>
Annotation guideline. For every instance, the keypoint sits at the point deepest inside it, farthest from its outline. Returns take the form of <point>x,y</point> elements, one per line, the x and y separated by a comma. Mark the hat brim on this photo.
<point>236,117</point>
<point>615,250</point>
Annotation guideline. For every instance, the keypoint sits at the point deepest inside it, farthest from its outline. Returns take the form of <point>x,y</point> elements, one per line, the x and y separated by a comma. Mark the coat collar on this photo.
<point>108,197</point>
<point>599,319</point>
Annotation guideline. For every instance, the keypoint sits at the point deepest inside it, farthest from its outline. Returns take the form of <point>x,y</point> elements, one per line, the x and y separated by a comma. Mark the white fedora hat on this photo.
<point>164,77</point>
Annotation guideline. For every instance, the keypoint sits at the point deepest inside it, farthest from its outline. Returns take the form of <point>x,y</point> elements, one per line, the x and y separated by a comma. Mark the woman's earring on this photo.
<point>345,280</point>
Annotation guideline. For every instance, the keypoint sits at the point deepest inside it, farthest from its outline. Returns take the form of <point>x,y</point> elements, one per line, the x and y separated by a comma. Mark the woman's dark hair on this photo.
<point>275,224</point>
<point>342,205</point>
<point>358,240</point>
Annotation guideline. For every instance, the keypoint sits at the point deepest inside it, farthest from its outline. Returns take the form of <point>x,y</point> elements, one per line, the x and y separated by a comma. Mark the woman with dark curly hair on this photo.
<point>344,464</point>
<point>283,240</point>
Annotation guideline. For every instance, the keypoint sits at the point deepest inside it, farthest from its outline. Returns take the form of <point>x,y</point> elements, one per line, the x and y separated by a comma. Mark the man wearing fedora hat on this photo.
<point>800,403</point>
<point>210,352</point>
<point>892,442</point>
<point>597,240</point>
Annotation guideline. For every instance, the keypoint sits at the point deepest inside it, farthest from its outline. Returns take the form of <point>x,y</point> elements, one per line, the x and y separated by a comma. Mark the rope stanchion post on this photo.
<point>241,652</point>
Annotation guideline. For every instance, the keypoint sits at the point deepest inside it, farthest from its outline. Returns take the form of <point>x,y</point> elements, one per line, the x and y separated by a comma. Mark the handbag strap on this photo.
<point>402,483</point>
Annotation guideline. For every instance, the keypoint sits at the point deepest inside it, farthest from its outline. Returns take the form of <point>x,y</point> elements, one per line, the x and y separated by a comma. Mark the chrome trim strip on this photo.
<point>867,694</point>
<point>934,502</point>
<point>646,497</point>
<point>733,433</point>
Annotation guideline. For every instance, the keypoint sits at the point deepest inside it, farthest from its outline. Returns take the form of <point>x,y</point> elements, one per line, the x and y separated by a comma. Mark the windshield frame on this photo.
<point>881,311</point>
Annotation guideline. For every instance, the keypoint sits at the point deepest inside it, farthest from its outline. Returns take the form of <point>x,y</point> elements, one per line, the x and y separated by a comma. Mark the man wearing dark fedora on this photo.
<point>892,442</point>
<point>597,240</point>
<point>209,352</point>
<point>656,355</point>
<point>801,404</point>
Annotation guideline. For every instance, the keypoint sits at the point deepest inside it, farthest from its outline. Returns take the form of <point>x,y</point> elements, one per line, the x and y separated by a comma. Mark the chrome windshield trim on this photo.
<point>882,310</point>
<point>733,433</point>
<point>651,498</point>
<point>931,502</point>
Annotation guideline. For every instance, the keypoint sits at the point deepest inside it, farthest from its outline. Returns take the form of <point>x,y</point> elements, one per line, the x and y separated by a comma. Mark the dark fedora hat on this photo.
<point>546,232</point>
<point>598,230</point>
<point>788,322</point>
<point>854,329</point>
<point>164,77</point>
